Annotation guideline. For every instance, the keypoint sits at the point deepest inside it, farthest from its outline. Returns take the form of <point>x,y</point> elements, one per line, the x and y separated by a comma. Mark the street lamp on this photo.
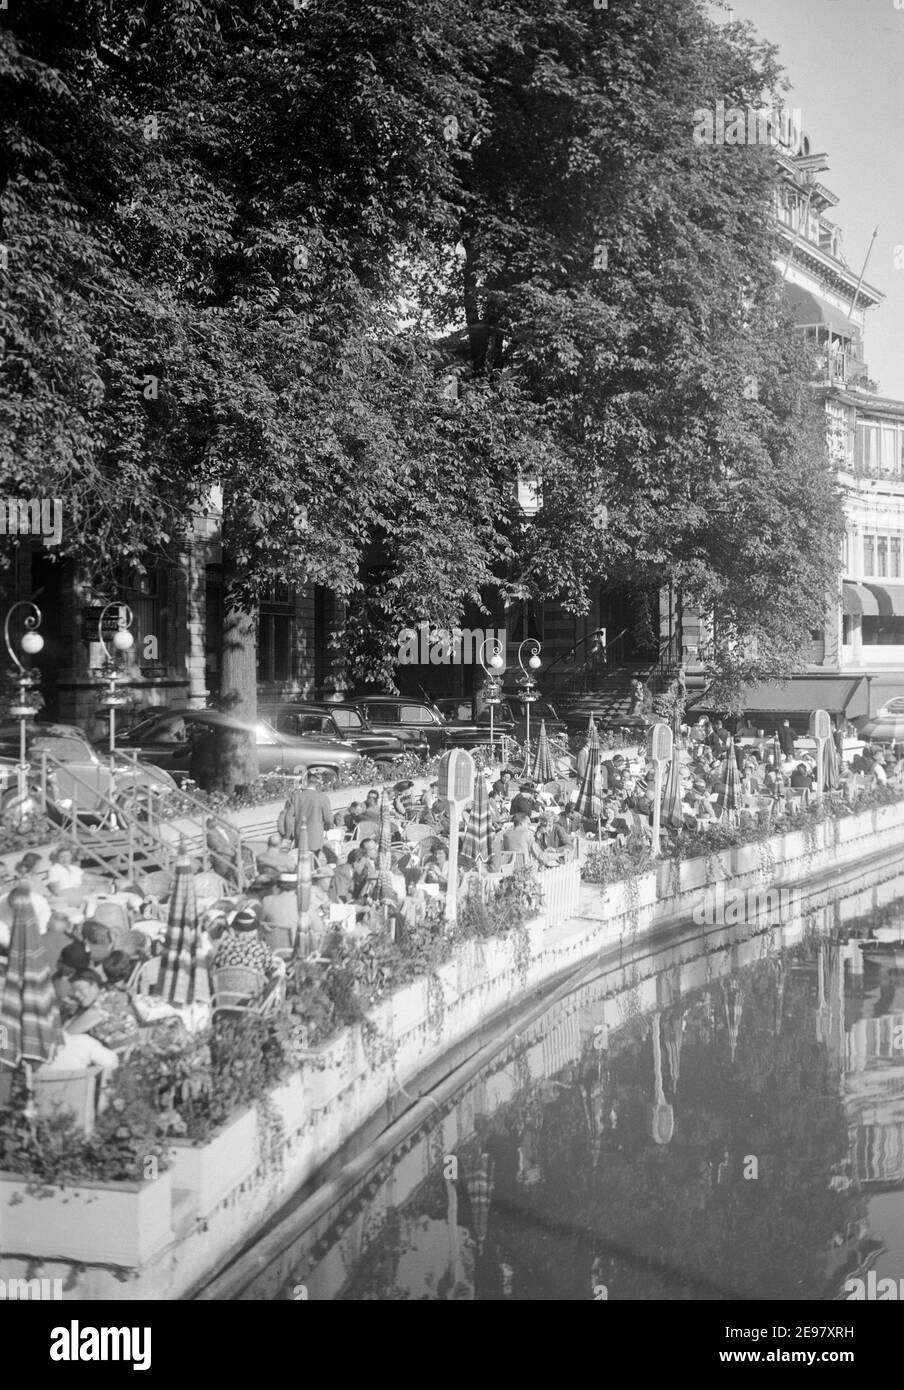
<point>32,642</point>
<point>492,686</point>
<point>123,641</point>
<point>529,692</point>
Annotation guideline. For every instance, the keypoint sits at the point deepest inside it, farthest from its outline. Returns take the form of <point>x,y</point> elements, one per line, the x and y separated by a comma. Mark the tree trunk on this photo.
<point>235,753</point>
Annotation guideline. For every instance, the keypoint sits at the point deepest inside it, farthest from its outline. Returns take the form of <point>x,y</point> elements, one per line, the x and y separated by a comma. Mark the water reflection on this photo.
<point>719,1119</point>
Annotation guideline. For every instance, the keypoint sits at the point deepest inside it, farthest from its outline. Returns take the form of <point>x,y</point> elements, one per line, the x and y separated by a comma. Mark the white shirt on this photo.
<point>80,1050</point>
<point>41,910</point>
<point>64,876</point>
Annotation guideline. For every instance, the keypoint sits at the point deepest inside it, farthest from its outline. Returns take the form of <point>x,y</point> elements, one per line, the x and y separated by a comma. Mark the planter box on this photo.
<point>122,1224</point>
<point>210,1171</point>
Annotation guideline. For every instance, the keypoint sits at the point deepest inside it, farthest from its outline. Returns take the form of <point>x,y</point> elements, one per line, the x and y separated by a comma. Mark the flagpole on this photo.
<point>869,252</point>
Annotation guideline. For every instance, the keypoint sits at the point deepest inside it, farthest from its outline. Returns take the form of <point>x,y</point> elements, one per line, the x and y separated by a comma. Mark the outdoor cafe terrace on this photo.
<point>135,1011</point>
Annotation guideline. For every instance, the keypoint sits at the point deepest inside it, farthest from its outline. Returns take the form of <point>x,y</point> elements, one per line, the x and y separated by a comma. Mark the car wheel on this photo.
<point>328,776</point>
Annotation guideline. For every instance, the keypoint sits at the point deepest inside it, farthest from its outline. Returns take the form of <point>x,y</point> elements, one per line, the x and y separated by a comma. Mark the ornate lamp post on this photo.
<point>529,692</point>
<point>492,686</point>
<point>32,642</point>
<point>123,641</point>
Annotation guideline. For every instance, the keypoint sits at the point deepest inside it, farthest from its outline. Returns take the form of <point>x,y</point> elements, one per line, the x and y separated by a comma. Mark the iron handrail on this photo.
<point>141,835</point>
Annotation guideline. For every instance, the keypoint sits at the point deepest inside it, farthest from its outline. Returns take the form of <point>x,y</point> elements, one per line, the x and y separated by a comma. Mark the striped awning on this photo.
<point>859,598</point>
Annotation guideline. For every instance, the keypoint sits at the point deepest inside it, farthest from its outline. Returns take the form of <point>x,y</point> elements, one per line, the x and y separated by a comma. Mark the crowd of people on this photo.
<point>103,941</point>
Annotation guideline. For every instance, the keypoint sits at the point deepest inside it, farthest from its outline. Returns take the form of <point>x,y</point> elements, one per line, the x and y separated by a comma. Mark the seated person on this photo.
<point>344,877</point>
<point>371,811</point>
<point>521,842</point>
<point>436,869</point>
<point>410,912</point>
<point>555,834</point>
<point>280,908</point>
<point>63,874</point>
<point>353,815</point>
<point>525,803</point>
<point>504,786</point>
<point>241,944</point>
<point>98,939</point>
<point>801,779</point>
<point>104,1009</point>
<point>24,872</point>
<point>276,856</point>
<point>73,959</point>
<point>701,806</point>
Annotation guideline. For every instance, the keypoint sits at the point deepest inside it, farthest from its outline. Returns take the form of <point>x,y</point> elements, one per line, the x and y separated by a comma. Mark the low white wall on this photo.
<point>223,1192</point>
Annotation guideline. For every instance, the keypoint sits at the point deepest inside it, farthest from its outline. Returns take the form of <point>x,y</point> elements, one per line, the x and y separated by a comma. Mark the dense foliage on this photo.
<point>247,244</point>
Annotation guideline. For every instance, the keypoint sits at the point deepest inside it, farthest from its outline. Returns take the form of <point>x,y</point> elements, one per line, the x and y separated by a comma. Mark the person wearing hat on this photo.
<point>503,784</point>
<point>525,802</point>
<point>311,807</point>
<point>241,943</point>
<point>280,907</point>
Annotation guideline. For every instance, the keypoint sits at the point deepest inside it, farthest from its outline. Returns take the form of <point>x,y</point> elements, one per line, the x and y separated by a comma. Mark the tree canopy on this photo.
<point>241,238</point>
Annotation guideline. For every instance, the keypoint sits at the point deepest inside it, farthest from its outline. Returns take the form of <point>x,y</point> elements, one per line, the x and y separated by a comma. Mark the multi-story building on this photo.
<point>856,660</point>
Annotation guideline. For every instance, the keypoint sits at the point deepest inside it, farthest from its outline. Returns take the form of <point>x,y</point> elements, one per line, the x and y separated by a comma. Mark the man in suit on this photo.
<point>311,805</point>
<point>786,738</point>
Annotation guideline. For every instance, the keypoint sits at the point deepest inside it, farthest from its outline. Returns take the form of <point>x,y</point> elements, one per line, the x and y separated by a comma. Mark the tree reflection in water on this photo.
<point>691,1159</point>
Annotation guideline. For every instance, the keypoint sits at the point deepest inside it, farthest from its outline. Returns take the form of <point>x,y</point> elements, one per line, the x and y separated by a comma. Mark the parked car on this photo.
<point>396,714</point>
<point>345,723</point>
<point>170,739</point>
<point>77,774</point>
<point>467,729</point>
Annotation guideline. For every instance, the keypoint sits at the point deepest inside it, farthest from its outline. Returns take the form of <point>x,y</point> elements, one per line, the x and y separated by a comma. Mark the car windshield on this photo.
<point>348,719</point>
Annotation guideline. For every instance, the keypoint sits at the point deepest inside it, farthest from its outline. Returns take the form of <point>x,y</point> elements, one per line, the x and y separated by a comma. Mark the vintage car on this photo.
<point>181,742</point>
<point>346,723</point>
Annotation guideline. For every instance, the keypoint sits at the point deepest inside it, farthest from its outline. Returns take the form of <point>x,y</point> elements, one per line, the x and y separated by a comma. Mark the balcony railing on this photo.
<point>843,369</point>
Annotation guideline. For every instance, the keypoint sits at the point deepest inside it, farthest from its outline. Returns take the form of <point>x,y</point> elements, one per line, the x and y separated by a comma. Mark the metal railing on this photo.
<point>152,825</point>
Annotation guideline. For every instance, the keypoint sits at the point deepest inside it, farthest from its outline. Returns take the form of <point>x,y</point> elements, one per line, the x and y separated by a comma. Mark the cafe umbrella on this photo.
<point>477,841</point>
<point>30,1029</point>
<point>589,802</point>
<point>383,889</point>
<point>183,974</point>
<point>543,768</point>
<point>730,799</point>
<point>672,810</point>
<point>830,779</point>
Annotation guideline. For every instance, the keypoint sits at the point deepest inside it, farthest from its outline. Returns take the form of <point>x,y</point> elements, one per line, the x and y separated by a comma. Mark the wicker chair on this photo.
<point>237,987</point>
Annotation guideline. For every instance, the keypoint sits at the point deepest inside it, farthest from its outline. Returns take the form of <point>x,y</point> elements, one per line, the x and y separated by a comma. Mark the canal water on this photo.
<point>718,1118</point>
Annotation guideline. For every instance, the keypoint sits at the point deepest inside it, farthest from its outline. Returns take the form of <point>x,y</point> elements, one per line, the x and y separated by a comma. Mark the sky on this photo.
<point>845,62</point>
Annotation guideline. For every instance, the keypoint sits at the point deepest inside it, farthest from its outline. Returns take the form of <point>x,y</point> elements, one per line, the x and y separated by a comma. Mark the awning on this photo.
<point>889,599</point>
<point>859,598</point>
<point>810,311</point>
<point>845,695</point>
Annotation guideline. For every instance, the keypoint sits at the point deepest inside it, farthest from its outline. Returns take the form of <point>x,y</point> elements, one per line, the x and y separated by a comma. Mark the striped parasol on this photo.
<point>777,755</point>
<point>543,768</point>
<point>672,812</point>
<point>183,975</point>
<point>589,802</point>
<point>479,1187</point>
<point>830,778</point>
<point>591,732</point>
<point>730,798</point>
<point>30,1029</point>
<point>477,841</point>
<point>383,889</point>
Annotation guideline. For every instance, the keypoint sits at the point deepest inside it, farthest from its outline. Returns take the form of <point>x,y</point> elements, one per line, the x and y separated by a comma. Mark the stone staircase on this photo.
<point>610,700</point>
